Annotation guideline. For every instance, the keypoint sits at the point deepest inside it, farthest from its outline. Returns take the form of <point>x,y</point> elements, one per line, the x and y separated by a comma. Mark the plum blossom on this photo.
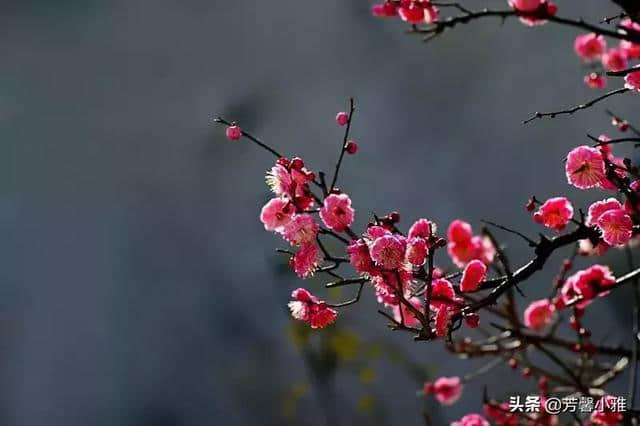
<point>474,273</point>
<point>459,231</point>
<point>279,179</point>
<point>276,214</point>
<point>595,81</point>
<point>599,207</point>
<point>384,10</point>
<point>418,12</point>
<point>589,46</point>
<point>525,5</point>
<point>478,247</point>
<point>233,133</point>
<point>587,284</point>
<point>615,59</point>
<point>447,390</point>
<point>532,6</point>
<point>555,213</point>
<point>337,213</point>
<point>631,49</point>
<point>443,294</point>
<point>388,251</point>
<point>306,307</point>
<point>632,81</point>
<point>464,247</point>
<point>471,420</point>
<point>305,261</point>
<point>422,228</point>
<point>301,229</point>
<point>416,251</point>
<point>616,227</point>
<point>359,257</point>
<point>585,167</point>
<point>538,314</point>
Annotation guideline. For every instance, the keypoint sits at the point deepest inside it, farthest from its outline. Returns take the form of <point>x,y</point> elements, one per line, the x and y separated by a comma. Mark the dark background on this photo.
<point>138,286</point>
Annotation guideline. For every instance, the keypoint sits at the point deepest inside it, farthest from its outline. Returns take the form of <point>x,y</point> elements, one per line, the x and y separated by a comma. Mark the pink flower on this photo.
<point>459,231</point>
<point>233,133</point>
<point>416,251</point>
<point>384,10</point>
<point>388,251</point>
<point>279,180</point>
<point>545,7</point>
<point>471,420</point>
<point>359,257</point>
<point>443,294</point>
<point>342,118</point>
<point>538,314</point>
<point>447,390</point>
<point>376,231</point>
<point>632,81</point>
<point>474,273</point>
<point>422,228</point>
<point>418,12</point>
<point>587,284</point>
<point>305,261</point>
<point>276,214</point>
<point>300,230</point>
<point>595,81</point>
<point>584,167</point>
<point>589,46</point>
<point>525,5</point>
<point>306,307</point>
<point>555,213</point>
<point>615,59</point>
<point>478,247</point>
<point>337,213</point>
<point>599,207</point>
<point>410,319</point>
<point>616,227</point>
<point>632,49</point>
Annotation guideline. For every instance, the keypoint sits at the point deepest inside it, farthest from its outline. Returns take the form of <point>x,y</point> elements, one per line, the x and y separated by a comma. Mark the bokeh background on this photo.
<point>138,286</point>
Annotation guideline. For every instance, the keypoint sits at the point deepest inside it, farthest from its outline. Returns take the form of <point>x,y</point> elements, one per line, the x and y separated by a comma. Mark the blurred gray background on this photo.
<point>138,286</point>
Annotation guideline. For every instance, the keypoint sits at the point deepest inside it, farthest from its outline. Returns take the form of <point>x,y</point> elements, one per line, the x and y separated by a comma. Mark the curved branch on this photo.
<point>553,114</point>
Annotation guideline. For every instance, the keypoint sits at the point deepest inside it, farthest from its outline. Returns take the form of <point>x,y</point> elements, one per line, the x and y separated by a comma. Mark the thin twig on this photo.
<point>344,144</point>
<point>553,114</point>
<point>250,137</point>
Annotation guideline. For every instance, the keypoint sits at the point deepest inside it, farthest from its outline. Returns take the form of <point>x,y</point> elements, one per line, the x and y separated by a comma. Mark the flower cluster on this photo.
<point>434,301</point>
<point>592,49</point>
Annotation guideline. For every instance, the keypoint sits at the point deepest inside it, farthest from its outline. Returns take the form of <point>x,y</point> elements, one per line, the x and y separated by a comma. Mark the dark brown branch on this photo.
<point>344,144</point>
<point>600,142</point>
<point>543,251</point>
<point>624,72</point>
<point>439,27</point>
<point>349,302</point>
<point>568,111</point>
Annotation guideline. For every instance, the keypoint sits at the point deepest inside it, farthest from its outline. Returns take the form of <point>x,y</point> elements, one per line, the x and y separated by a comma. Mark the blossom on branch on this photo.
<point>555,213</point>
<point>306,307</point>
